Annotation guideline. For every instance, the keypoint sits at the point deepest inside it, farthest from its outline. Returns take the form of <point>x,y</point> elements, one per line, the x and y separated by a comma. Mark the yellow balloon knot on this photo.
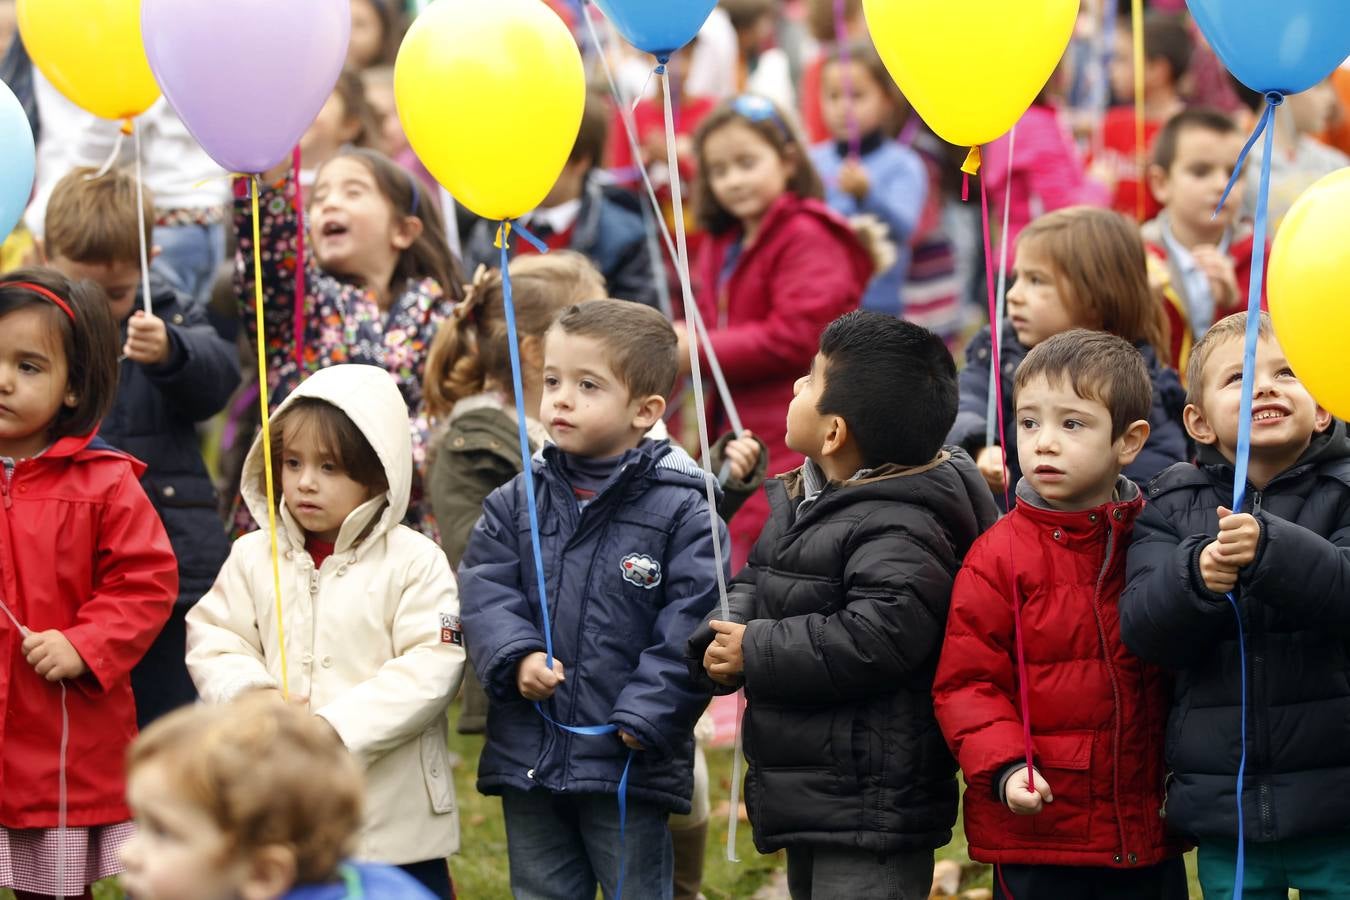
<point>128,127</point>
<point>503,235</point>
<point>972,164</point>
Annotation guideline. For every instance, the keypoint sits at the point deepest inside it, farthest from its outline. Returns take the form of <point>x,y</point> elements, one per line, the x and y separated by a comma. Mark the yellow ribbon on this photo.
<point>973,161</point>
<point>1140,153</point>
<point>267,433</point>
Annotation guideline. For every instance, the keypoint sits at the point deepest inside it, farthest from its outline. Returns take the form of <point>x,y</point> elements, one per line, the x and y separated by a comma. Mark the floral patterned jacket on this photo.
<point>342,323</point>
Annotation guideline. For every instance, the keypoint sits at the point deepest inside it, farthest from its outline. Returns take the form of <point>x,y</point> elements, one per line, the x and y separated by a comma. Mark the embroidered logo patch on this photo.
<point>451,631</point>
<point>641,570</point>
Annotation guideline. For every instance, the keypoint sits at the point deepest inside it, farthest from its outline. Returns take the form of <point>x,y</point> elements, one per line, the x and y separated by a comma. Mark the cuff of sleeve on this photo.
<point>178,356</point>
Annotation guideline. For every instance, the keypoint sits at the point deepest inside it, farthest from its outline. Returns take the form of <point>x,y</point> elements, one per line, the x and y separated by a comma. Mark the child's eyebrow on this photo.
<point>34,355</point>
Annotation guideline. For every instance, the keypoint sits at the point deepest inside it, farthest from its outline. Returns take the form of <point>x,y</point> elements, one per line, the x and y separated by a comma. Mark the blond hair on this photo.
<point>1232,327</point>
<point>93,219</point>
<point>266,773</point>
<point>472,346</point>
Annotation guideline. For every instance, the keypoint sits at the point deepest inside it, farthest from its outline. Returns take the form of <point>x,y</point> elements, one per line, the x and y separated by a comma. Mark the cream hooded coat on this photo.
<point>371,636</point>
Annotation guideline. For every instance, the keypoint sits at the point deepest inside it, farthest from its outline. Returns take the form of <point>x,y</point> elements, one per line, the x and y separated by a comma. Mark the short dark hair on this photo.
<point>893,382</point>
<point>640,343</point>
<point>1199,118</point>
<point>90,343</point>
<point>594,132</point>
<point>1098,366</point>
<point>337,435</point>
<point>1167,38</point>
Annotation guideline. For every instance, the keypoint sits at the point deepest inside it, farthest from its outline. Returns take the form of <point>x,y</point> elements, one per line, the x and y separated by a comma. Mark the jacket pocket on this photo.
<point>436,769</point>
<point>1065,762</point>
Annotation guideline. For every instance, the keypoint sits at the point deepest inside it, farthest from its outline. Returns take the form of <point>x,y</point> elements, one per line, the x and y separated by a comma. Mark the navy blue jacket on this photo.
<point>629,578</point>
<point>1295,603</point>
<point>1167,442</point>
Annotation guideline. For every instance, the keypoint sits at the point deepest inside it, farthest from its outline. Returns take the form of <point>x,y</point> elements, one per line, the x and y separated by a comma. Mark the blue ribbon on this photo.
<point>518,385</point>
<point>1244,443</point>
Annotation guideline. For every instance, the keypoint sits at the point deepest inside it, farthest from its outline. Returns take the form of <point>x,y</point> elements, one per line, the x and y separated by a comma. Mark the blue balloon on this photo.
<point>18,158</point>
<point>659,27</point>
<point>1286,46</point>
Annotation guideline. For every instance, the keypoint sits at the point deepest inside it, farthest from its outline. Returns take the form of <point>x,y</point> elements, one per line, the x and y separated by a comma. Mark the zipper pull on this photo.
<point>1256,502</point>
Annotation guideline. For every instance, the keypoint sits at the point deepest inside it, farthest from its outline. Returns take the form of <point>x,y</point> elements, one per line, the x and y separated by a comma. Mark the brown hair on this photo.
<point>93,220</point>
<point>266,773</point>
<point>337,437</point>
<point>745,13</point>
<point>594,132</point>
<point>1198,119</point>
<point>1101,271</point>
<point>640,342</point>
<point>91,343</point>
<point>430,255</point>
<point>1098,366</point>
<point>778,130</point>
<point>820,18</point>
<point>351,90</point>
<point>1232,327</point>
<point>472,346</point>
<point>1167,38</point>
<point>864,53</point>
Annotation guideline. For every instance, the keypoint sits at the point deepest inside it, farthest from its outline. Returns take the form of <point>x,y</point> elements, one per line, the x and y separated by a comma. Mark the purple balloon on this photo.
<point>247,77</point>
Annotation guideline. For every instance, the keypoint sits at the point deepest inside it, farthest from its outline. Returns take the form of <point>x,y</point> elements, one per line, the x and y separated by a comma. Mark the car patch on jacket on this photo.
<point>451,630</point>
<point>641,570</point>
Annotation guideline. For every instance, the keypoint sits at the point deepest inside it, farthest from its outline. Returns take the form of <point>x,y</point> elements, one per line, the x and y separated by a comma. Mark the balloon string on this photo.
<point>267,436</point>
<point>299,317</point>
<point>737,766</point>
<point>112,157</point>
<point>140,224</point>
<point>1001,295</point>
<point>1273,99</point>
<point>1140,153</point>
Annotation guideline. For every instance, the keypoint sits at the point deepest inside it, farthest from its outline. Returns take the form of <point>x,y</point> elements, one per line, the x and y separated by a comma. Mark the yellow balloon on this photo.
<point>92,51</point>
<point>971,68</point>
<point>1309,290</point>
<point>490,93</point>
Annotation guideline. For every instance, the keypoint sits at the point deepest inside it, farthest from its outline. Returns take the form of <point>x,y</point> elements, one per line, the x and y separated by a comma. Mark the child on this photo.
<point>251,799</point>
<point>369,609</point>
<point>761,68</point>
<point>888,180</point>
<point>376,27</point>
<point>580,214</point>
<point>822,22</point>
<point>628,554</point>
<point>379,280</point>
<point>1084,823</point>
<point>778,267</point>
<point>347,119</point>
<point>1076,268</point>
<point>837,621</point>
<point>176,371</point>
<point>1167,58</point>
<point>1208,258</point>
<point>87,579</point>
<point>1283,557</point>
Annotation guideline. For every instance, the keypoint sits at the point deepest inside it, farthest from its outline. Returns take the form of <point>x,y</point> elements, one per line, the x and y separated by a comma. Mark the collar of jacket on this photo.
<point>1083,525</point>
<point>1332,445</point>
<point>795,481</point>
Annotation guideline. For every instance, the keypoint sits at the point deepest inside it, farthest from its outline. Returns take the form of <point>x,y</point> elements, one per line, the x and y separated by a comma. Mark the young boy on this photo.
<point>255,800</point>
<point>1208,258</point>
<point>628,553</point>
<point>176,371</point>
<point>837,620</point>
<point>1083,824</point>
<point>580,214</point>
<point>1285,557</point>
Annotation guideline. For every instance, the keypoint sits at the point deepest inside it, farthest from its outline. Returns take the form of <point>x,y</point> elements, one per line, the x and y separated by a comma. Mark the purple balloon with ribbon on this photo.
<point>247,77</point>
<point>658,27</point>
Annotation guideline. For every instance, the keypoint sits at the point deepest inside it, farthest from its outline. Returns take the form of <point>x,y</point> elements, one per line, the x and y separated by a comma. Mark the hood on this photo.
<point>371,399</point>
<point>655,457</point>
<point>1332,444</point>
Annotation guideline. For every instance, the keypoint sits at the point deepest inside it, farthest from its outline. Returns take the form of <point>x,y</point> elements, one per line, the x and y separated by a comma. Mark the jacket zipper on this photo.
<point>5,481</point>
<point>1260,726</point>
<point>1115,689</point>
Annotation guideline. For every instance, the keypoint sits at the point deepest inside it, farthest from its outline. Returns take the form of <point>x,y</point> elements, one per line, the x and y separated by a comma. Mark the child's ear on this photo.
<point>270,873</point>
<point>1157,182</point>
<point>1197,426</point>
<point>1131,442</point>
<point>407,232</point>
<point>71,400</point>
<point>836,437</point>
<point>649,411</point>
<point>1322,420</point>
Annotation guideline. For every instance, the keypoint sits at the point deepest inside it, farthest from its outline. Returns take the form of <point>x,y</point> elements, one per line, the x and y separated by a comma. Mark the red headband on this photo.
<point>42,291</point>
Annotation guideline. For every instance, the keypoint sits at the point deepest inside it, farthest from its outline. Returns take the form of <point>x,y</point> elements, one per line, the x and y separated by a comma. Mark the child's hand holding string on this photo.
<point>147,340</point>
<point>743,455</point>
<point>853,179</point>
<point>535,680</point>
<point>1027,799</point>
<point>723,660</point>
<point>53,656</point>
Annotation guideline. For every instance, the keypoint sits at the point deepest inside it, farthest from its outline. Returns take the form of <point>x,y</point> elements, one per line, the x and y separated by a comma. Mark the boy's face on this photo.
<point>588,410</point>
<point>319,494</point>
<point>1284,415</point>
<point>119,281</point>
<point>808,429</point>
<point>1193,186</point>
<point>1065,447</point>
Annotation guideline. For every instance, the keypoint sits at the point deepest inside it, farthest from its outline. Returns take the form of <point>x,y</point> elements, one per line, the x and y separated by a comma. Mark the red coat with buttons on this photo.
<point>1097,712</point>
<point>82,551</point>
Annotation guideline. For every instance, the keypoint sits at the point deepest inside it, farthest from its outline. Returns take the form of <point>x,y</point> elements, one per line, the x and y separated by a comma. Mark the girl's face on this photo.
<point>319,494</point>
<point>367,41</point>
<point>746,172</point>
<point>353,225</point>
<point>328,133</point>
<point>33,381</point>
<point>1036,308</point>
<point>864,100</point>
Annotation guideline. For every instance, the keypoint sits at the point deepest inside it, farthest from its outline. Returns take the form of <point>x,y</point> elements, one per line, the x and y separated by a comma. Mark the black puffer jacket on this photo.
<point>845,606</point>
<point>1295,602</point>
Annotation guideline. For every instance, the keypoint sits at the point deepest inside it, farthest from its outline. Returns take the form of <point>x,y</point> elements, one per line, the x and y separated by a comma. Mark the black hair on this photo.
<point>893,382</point>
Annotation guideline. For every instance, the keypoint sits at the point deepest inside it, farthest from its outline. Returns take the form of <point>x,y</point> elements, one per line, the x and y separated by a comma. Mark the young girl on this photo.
<point>369,610</point>
<point>1075,268</point>
<point>779,266</point>
<point>379,280</point>
<point>887,179</point>
<point>87,579</point>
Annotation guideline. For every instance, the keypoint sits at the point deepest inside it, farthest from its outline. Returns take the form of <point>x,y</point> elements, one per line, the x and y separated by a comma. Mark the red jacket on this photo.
<point>81,551</point>
<point>804,270</point>
<point>1097,712</point>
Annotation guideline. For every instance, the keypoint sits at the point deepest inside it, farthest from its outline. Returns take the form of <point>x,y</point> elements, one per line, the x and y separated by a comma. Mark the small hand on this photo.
<point>682,348</point>
<point>743,454</point>
<point>535,680</point>
<point>990,463</point>
<point>853,179</point>
<point>1219,576</point>
<point>629,741</point>
<point>723,659</point>
<point>1027,799</point>
<point>147,340</point>
<point>1239,536</point>
<point>1221,272</point>
<point>52,656</point>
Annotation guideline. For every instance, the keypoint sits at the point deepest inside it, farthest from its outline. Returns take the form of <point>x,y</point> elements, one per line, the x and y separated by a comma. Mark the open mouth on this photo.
<point>332,229</point>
